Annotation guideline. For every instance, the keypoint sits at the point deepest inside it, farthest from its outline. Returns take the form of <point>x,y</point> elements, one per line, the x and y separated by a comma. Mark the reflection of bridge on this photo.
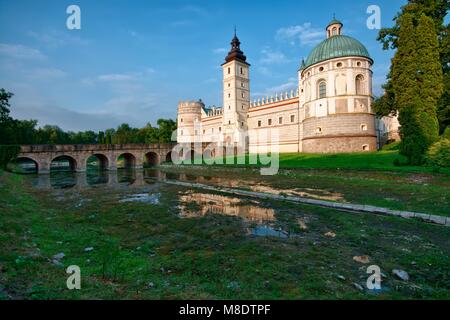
<point>134,155</point>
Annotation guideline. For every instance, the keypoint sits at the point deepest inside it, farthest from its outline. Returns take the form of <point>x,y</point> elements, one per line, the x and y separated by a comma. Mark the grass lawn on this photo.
<point>144,251</point>
<point>382,160</point>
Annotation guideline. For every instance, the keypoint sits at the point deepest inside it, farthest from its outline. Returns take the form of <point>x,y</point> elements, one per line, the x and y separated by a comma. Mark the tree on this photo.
<point>4,105</point>
<point>101,138</point>
<point>385,105</point>
<point>389,37</point>
<point>416,85</point>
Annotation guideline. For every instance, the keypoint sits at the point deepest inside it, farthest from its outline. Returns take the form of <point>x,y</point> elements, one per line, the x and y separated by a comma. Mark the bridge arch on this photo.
<point>63,163</point>
<point>26,164</point>
<point>98,161</point>
<point>126,160</point>
<point>151,159</point>
<point>168,157</point>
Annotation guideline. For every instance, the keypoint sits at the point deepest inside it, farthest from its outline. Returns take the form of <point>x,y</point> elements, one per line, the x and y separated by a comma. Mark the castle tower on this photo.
<point>189,121</point>
<point>336,96</point>
<point>236,92</point>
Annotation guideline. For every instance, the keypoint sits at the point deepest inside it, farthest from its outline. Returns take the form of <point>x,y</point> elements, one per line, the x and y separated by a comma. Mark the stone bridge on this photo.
<point>134,155</point>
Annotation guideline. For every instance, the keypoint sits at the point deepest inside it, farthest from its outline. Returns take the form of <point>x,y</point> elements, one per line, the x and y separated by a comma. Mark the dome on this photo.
<point>334,21</point>
<point>336,47</point>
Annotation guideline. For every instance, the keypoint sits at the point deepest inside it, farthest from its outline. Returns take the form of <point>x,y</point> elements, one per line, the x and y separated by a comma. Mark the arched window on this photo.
<point>359,84</point>
<point>322,89</point>
<point>334,31</point>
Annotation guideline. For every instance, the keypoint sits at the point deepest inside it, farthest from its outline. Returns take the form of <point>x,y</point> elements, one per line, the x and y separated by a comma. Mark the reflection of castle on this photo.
<point>330,111</point>
<point>216,204</point>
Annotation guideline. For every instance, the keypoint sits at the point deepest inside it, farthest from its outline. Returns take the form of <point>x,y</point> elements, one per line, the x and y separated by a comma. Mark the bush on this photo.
<point>7,154</point>
<point>393,146</point>
<point>446,134</point>
<point>439,154</point>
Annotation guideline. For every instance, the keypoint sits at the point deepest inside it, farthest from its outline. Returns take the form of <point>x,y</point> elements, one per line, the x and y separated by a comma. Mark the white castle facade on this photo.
<point>329,112</point>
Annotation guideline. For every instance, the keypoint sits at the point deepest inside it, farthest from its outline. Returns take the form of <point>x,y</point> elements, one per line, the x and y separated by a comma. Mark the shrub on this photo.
<point>439,154</point>
<point>8,153</point>
<point>446,134</point>
<point>393,146</point>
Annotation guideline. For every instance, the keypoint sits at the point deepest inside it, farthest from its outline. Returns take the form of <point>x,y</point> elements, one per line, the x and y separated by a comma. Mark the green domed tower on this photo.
<point>336,95</point>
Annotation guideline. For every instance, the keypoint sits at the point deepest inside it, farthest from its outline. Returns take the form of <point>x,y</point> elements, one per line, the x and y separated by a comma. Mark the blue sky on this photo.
<point>132,61</point>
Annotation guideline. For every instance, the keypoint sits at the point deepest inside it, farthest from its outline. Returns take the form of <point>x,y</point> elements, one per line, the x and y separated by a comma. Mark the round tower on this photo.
<point>336,96</point>
<point>189,120</point>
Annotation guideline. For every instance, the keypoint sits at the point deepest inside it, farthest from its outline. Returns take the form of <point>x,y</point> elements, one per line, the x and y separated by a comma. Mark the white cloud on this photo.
<point>57,38</point>
<point>304,34</point>
<point>18,51</point>
<point>291,84</point>
<point>116,77</point>
<point>272,57</point>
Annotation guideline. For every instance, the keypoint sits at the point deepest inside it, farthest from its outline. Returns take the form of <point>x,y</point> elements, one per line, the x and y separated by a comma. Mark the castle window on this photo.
<point>259,123</point>
<point>181,120</point>
<point>334,31</point>
<point>292,118</point>
<point>242,85</point>
<point>359,84</point>
<point>359,64</point>
<point>321,69</point>
<point>366,147</point>
<point>270,122</point>
<point>243,94</point>
<point>229,70</point>
<point>242,124</point>
<point>220,129</point>
<point>280,120</point>
<point>229,85</point>
<point>229,95</point>
<point>229,122</point>
<point>322,89</point>
<point>364,127</point>
<point>242,70</point>
<point>243,107</point>
<point>229,107</point>
<point>339,65</point>
<point>319,130</point>
<point>204,131</point>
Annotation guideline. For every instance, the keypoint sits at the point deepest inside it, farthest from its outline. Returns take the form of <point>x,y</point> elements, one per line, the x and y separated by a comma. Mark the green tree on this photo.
<point>101,138</point>
<point>389,37</point>
<point>417,85</point>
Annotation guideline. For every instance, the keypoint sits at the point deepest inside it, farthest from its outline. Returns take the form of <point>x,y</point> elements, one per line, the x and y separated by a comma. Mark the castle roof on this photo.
<point>236,52</point>
<point>336,47</point>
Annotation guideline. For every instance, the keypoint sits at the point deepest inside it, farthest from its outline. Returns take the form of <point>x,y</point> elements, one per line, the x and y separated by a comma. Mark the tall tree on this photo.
<point>389,37</point>
<point>416,85</point>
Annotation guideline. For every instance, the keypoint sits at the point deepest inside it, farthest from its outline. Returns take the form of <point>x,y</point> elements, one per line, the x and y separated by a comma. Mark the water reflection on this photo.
<point>261,220</point>
<point>206,203</point>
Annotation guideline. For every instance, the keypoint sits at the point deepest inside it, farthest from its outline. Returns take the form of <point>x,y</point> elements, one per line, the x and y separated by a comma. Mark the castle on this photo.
<point>329,112</point>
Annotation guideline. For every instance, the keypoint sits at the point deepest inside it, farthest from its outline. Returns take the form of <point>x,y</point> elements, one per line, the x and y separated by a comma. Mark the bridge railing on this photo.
<point>93,147</point>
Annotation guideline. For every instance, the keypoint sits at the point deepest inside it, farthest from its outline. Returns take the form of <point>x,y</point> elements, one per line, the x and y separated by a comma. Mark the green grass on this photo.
<point>382,160</point>
<point>209,257</point>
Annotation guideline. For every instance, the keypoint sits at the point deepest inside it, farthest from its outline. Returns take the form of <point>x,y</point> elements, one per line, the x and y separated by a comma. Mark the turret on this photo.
<point>189,120</point>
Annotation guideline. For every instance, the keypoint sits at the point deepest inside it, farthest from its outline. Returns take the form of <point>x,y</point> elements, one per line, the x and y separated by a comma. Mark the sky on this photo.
<point>133,61</point>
